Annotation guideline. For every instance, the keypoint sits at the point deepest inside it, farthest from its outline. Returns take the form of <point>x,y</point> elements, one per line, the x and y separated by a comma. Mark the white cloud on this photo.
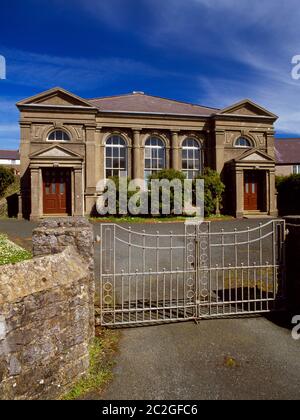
<point>43,71</point>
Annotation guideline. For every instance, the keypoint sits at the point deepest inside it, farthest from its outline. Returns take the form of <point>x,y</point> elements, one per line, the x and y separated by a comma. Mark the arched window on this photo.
<point>155,156</point>
<point>115,157</point>
<point>243,142</point>
<point>58,135</point>
<point>191,158</point>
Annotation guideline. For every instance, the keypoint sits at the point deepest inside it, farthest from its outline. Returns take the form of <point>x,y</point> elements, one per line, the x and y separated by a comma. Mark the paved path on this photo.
<point>19,231</point>
<point>188,361</point>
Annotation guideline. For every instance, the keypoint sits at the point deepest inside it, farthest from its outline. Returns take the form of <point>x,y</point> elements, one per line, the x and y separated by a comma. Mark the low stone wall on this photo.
<point>54,235</point>
<point>293,263</point>
<point>44,325</point>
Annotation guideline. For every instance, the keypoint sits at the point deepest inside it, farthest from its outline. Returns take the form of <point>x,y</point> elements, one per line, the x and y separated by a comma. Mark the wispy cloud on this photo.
<point>249,45</point>
<point>41,71</point>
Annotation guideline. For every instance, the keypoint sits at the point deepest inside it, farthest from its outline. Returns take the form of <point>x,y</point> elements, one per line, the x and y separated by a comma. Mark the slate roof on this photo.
<point>10,154</point>
<point>287,151</point>
<point>141,103</point>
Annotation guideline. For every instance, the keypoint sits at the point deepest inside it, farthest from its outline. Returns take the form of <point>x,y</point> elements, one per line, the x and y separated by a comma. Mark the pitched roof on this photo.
<point>10,154</point>
<point>140,102</point>
<point>287,150</point>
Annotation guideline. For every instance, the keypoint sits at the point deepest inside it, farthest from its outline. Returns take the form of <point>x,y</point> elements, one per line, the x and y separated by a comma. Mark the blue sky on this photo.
<point>213,53</point>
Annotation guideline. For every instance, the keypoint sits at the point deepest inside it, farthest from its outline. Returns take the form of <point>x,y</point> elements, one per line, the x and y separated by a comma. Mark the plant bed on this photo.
<point>10,253</point>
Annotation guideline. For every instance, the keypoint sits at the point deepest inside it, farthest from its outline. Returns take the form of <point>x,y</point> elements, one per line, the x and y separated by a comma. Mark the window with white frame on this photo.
<point>243,142</point>
<point>155,156</point>
<point>115,157</point>
<point>58,135</point>
<point>296,169</point>
<point>191,158</point>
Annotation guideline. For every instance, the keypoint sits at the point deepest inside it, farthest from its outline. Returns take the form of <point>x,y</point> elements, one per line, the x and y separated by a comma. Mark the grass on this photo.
<point>147,219</point>
<point>10,253</point>
<point>102,351</point>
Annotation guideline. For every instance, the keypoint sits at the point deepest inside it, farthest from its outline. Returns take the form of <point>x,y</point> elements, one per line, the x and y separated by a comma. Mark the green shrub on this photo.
<point>117,181</point>
<point>7,178</point>
<point>175,199</point>
<point>288,189</point>
<point>213,191</point>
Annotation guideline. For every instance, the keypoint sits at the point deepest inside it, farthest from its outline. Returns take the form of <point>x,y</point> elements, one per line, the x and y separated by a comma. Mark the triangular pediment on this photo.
<point>247,108</point>
<point>254,156</point>
<point>56,97</point>
<point>55,152</point>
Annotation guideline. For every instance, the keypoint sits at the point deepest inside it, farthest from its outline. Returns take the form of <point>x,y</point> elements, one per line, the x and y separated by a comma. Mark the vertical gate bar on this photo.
<point>101,272</point>
<point>150,293</point>
<point>242,292</point>
<point>282,260</point>
<point>177,291</point>
<point>267,288</point>
<point>144,275</point>
<point>196,272</point>
<point>255,282</point>
<point>164,293</point>
<point>248,269</point>
<point>235,271</point>
<point>274,262</point>
<point>261,263</point>
<point>229,290</point>
<point>136,295</point>
<point>157,273</point>
<point>171,254</point>
<point>122,294</point>
<point>223,268</point>
<point>217,288</point>
<point>129,272</point>
<point>209,267</point>
<point>114,275</point>
<point>184,274</point>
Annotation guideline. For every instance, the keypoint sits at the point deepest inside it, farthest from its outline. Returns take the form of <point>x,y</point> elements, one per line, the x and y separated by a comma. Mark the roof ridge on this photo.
<point>154,96</point>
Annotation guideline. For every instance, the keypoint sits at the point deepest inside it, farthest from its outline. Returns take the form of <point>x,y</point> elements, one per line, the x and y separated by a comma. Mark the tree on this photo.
<point>213,191</point>
<point>7,178</point>
<point>288,188</point>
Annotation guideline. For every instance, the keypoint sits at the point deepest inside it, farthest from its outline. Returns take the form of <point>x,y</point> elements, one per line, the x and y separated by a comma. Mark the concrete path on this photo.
<point>216,359</point>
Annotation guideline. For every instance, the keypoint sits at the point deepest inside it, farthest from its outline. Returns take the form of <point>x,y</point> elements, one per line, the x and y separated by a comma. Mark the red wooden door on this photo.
<point>252,186</point>
<point>57,191</point>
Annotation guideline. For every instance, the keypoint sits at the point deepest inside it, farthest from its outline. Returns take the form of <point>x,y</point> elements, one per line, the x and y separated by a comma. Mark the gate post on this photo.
<point>52,236</point>
<point>293,263</point>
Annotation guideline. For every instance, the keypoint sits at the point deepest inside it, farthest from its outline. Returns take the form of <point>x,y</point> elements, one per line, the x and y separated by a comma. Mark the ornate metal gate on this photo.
<point>153,277</point>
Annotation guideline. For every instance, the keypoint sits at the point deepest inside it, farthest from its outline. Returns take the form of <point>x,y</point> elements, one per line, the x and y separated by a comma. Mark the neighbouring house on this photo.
<point>68,144</point>
<point>10,158</point>
<point>287,152</point>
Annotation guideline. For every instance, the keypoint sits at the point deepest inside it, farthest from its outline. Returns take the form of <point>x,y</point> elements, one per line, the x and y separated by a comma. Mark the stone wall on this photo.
<point>44,325</point>
<point>293,263</point>
<point>54,235</point>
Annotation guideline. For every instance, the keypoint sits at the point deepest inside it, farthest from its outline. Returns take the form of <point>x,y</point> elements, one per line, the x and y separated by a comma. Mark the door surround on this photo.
<point>56,157</point>
<point>258,161</point>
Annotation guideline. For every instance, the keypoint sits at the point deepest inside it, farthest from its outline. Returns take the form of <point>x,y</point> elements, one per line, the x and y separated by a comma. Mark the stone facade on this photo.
<point>44,326</point>
<point>90,123</point>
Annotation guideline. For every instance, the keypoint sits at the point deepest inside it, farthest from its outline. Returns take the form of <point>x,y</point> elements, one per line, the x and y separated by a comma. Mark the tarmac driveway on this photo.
<point>217,359</point>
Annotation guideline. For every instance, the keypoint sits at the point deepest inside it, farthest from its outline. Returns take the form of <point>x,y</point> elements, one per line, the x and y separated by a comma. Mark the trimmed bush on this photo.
<point>175,199</point>
<point>288,189</point>
<point>7,178</point>
<point>213,191</point>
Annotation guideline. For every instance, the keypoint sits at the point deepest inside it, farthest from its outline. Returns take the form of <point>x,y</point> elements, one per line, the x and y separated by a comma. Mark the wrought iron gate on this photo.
<point>152,277</point>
